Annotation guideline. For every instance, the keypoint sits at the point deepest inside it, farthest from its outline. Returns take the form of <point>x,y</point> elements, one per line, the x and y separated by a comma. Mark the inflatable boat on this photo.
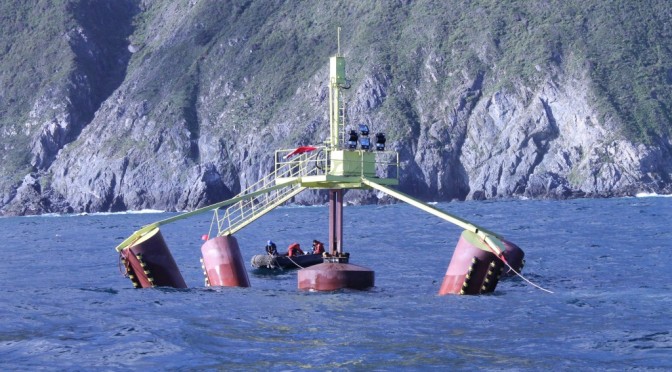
<point>266,261</point>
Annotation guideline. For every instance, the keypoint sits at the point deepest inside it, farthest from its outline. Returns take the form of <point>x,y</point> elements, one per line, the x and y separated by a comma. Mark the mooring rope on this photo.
<point>524,278</point>
<point>119,264</point>
<point>501,257</point>
<point>290,258</point>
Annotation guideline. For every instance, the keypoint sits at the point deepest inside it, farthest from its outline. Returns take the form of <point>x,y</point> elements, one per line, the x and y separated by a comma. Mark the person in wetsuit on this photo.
<point>271,248</point>
<point>318,247</point>
<point>294,250</point>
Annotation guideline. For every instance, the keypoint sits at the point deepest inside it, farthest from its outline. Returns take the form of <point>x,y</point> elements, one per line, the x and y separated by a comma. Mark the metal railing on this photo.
<point>247,210</point>
<point>282,183</point>
<point>313,163</point>
<point>386,164</point>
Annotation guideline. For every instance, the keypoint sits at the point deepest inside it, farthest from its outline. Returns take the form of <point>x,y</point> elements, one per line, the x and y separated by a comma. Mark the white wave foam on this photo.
<point>651,195</point>
<point>142,211</point>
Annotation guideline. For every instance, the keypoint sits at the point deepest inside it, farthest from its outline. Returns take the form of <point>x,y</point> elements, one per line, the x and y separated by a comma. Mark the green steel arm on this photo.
<point>143,230</point>
<point>490,238</point>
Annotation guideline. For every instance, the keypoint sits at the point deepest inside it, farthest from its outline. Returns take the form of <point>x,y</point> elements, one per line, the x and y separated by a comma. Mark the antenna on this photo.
<point>338,37</point>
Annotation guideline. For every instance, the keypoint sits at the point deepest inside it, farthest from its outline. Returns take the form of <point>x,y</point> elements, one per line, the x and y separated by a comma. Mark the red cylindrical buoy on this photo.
<point>330,276</point>
<point>223,263</point>
<point>514,256</point>
<point>473,269</point>
<point>149,263</point>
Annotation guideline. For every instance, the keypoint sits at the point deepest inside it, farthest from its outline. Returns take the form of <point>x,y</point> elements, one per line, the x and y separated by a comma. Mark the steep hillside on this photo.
<point>114,105</point>
<point>60,61</point>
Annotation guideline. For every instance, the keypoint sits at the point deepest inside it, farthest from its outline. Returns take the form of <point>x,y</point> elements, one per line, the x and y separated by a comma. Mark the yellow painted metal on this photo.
<point>490,238</point>
<point>259,211</point>
<point>147,228</point>
<point>336,108</point>
<point>353,163</point>
<point>337,70</point>
<point>312,169</point>
<point>341,182</point>
<point>326,168</point>
<point>475,240</point>
<point>288,170</point>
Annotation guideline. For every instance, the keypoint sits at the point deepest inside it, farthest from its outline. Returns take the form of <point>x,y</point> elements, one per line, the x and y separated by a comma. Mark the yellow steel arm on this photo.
<point>143,230</point>
<point>490,238</point>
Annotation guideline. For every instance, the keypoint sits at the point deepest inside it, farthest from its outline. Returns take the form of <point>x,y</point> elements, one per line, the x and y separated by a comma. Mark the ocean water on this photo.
<point>65,306</point>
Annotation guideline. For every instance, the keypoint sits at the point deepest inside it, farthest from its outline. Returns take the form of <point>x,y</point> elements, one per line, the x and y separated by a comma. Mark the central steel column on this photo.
<point>335,272</point>
<point>335,221</point>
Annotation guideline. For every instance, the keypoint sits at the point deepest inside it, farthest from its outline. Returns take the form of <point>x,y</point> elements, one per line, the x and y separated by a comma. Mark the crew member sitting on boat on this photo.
<point>294,250</point>
<point>271,248</point>
<point>318,247</point>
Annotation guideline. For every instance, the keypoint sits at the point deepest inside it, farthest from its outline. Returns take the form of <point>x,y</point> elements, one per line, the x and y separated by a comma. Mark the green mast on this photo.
<point>336,108</point>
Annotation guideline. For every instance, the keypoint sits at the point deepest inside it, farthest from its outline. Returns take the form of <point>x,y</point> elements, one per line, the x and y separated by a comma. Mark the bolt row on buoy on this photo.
<point>145,269</point>
<point>129,272</point>
<point>133,275</point>
<point>467,278</point>
<point>492,276</point>
<point>473,269</point>
<point>149,263</point>
<point>353,164</point>
<point>205,273</point>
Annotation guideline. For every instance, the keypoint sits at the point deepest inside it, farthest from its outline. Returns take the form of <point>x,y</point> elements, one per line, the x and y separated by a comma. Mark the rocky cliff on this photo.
<point>174,105</point>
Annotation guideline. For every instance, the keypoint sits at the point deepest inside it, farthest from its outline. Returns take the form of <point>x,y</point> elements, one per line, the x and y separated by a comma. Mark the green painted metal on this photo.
<point>276,203</point>
<point>336,108</point>
<point>475,240</point>
<point>353,163</point>
<point>337,81</point>
<point>342,182</point>
<point>145,229</point>
<point>327,168</point>
<point>489,238</point>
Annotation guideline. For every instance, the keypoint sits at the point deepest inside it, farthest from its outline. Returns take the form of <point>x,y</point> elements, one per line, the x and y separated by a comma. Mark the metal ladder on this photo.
<point>341,123</point>
<point>266,194</point>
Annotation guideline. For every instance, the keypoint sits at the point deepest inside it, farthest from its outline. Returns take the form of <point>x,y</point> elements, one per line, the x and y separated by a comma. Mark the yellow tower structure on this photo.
<point>337,82</point>
<point>343,162</point>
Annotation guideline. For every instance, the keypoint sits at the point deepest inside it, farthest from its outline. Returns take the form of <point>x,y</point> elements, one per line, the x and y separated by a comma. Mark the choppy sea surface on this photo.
<point>65,306</point>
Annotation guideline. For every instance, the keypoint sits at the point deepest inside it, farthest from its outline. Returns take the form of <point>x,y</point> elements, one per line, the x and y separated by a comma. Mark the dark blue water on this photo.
<point>64,304</point>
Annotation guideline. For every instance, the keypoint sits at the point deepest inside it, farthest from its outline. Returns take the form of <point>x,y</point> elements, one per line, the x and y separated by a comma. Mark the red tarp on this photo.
<point>300,150</point>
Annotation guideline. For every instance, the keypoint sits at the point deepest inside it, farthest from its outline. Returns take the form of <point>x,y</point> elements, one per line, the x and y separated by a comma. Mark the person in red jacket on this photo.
<point>294,250</point>
<point>318,247</point>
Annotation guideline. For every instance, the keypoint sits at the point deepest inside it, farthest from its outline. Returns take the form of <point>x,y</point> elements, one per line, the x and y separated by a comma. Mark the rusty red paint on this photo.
<point>224,263</point>
<point>332,276</point>
<point>159,264</point>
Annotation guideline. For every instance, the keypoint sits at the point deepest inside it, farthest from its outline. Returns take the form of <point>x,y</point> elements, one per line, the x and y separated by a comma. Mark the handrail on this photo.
<point>305,164</point>
<point>145,229</point>
<point>287,174</point>
<point>242,211</point>
<point>245,211</point>
<point>233,228</point>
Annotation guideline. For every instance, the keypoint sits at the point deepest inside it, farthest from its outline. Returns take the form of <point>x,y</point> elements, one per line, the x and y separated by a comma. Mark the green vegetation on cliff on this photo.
<point>210,68</point>
<point>269,49</point>
<point>34,60</point>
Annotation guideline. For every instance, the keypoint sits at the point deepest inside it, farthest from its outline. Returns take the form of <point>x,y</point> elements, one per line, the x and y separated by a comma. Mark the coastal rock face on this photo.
<point>177,105</point>
<point>548,142</point>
